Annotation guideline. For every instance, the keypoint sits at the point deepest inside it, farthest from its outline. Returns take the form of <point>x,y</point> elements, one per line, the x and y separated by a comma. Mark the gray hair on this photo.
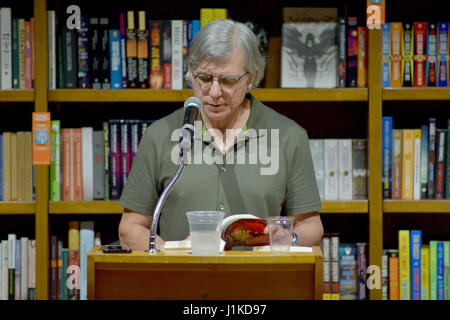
<point>217,40</point>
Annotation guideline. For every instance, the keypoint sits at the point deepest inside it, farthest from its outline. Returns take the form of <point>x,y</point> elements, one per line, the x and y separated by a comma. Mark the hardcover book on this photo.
<point>115,159</point>
<point>331,182</point>
<point>15,53</point>
<point>345,170</point>
<point>359,165</point>
<point>69,39</point>
<point>361,256</point>
<point>167,54</point>
<point>95,75</point>
<point>407,55</point>
<point>125,152</point>
<point>87,163</point>
<point>309,54</point>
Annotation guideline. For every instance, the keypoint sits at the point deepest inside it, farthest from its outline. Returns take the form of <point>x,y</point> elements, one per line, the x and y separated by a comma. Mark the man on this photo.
<point>224,64</point>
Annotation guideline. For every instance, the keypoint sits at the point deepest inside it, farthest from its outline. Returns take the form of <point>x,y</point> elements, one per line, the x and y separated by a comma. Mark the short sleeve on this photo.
<point>140,193</point>
<point>302,194</point>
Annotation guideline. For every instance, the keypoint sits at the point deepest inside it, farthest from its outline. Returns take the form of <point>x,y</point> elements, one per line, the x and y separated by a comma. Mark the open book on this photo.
<point>236,230</point>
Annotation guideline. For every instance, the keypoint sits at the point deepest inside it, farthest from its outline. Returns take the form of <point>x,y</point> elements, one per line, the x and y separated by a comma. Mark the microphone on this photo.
<point>192,108</point>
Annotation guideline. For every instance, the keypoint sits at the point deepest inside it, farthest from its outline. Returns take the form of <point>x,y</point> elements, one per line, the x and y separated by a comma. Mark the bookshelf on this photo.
<point>372,98</point>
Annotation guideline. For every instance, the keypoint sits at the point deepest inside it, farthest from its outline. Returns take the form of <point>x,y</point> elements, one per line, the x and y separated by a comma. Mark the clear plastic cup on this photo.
<point>204,227</point>
<point>280,232</point>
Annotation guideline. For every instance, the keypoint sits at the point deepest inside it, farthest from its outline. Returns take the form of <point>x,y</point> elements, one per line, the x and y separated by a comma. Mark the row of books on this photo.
<point>103,55</point>
<point>340,166</point>
<point>416,271</point>
<point>18,268</point>
<point>89,164</point>
<point>344,269</point>
<point>415,162</point>
<point>415,54</point>
<point>17,173</point>
<point>68,265</point>
<point>322,50</point>
<point>17,52</point>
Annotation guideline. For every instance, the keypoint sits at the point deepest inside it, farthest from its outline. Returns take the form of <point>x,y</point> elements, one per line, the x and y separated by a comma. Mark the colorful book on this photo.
<point>386,55</point>
<point>177,54</point>
<point>65,275</point>
<point>404,264</point>
<point>441,135</point>
<point>385,275</point>
<point>325,247</point>
<point>167,54</point>
<point>420,38</point>
<point>87,237</point>
<point>342,51</point>
<point>415,254</point>
<point>425,273</point>
<point>21,31</point>
<point>433,270</point>
<point>66,165</point>
<point>18,272</point>
<point>424,162</point>
<point>142,51</point>
<point>1,168</point>
<point>53,267</point>
<point>105,60</point>
<point>407,55</point>
<point>125,151</point>
<point>11,266</point>
<point>55,161</point>
<point>206,16</point>
<point>123,49</point>
<point>397,163</point>
<point>83,54</point>
<point>334,266</point>
<point>440,269</point>
<point>28,65</point>
<point>156,75</point>
<point>417,163</point>
<point>131,51</point>
<point>442,54</point>
<point>407,164</point>
<point>106,159</point>
<point>386,147</point>
<point>15,53</point>
<point>87,165</point>
<point>447,163</point>
<point>95,74</point>
<point>115,159</point>
<point>431,157</point>
<point>362,57</point>
<point>446,270</point>
<point>98,165</point>
<point>74,260</point>
<point>77,164</point>
<point>116,67</point>
<point>361,257</point>
<point>348,265</point>
<point>396,54</point>
<point>432,55</point>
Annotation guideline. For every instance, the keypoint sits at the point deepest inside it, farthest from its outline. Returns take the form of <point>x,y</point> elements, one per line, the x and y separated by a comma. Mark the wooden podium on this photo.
<point>232,275</point>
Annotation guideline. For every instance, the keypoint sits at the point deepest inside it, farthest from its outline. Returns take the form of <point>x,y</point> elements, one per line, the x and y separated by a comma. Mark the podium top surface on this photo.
<point>227,257</point>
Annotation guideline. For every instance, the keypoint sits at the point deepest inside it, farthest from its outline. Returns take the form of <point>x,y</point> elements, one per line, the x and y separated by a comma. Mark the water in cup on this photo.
<point>280,233</point>
<point>204,227</point>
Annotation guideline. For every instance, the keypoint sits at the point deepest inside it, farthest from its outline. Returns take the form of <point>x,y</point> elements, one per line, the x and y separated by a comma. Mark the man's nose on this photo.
<point>215,90</point>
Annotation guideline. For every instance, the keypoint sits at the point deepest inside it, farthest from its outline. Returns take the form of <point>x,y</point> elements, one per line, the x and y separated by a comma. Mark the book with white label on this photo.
<point>6,49</point>
<point>345,176</point>
<point>331,169</point>
<point>316,146</point>
<point>177,54</point>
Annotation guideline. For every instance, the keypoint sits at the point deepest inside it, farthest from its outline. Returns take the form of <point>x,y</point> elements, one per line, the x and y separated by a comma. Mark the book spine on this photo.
<point>29,166</point>
<point>18,271</point>
<point>94,54</point>
<point>74,259</point>
<point>123,49</point>
<point>425,273</point>
<point>362,57</point>
<point>220,13</point>
<point>408,164</point>
<point>59,267</point>
<point>125,151</point>
<point>352,52</point>
<point>446,270</point>
<point>342,52</point>
<point>87,237</point>
<point>105,53</point>
<point>206,16</point>
<point>55,164</point>
<point>447,163</point>
<point>385,275</point>
<point>326,268</point>
<point>53,268</point>
<point>142,52</point>
<point>87,163</point>
<point>348,278</point>
<point>11,265</point>
<point>335,273</point>
<point>424,162</point>
<point>14,168</point>
<point>60,61</point>
<point>5,270</point>
<point>131,51</point>
<point>156,76</point>
<point>431,55</point>
<point>407,54</point>
<point>51,34</point>
<point>442,40</point>
<point>386,55</point>
<point>32,269</point>
<point>404,264</point>
<point>65,277</point>
<point>397,164</point>
<point>331,169</point>
<point>387,157</point>
<point>396,54</point>
<point>116,69</point>
<point>65,164</point>
<point>70,49</point>
<point>440,163</point>
<point>115,181</point>
<point>440,270</point>
<point>394,276</point>
<point>359,155</point>
<point>420,34</point>
<point>107,159</point>
<point>15,53</point>
<point>185,53</point>
<point>167,54</point>
<point>316,146</point>
<point>20,166</point>
<point>6,52</point>
<point>417,172</point>
<point>345,178</point>
<point>433,270</point>
<point>415,245</point>
<point>431,156</point>
<point>33,53</point>
<point>361,249</point>
<point>28,65</point>
<point>24,268</point>
<point>177,54</point>
<point>22,53</point>
<point>83,54</point>
<point>136,133</point>
<point>99,165</point>
<point>77,164</point>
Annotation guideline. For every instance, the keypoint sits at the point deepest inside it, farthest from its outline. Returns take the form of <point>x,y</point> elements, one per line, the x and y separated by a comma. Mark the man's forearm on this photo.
<point>137,237</point>
<point>309,234</point>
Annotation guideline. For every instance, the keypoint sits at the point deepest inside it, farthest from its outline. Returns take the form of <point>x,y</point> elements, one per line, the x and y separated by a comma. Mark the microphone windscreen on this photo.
<point>193,102</point>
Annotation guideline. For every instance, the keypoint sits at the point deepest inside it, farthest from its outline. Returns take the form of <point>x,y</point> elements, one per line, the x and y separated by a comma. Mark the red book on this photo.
<point>77,166</point>
<point>244,230</point>
<point>393,277</point>
<point>420,54</point>
<point>66,177</point>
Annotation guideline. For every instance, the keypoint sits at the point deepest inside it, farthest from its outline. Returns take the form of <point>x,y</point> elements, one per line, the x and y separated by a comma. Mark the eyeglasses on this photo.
<point>225,82</point>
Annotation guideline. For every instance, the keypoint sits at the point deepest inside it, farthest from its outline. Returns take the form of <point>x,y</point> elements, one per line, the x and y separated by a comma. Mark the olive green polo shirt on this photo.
<point>275,178</point>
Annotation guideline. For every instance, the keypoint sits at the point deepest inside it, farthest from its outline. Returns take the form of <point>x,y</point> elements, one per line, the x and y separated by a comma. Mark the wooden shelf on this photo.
<point>17,95</point>
<point>398,94</point>
<point>353,206</point>
<point>417,206</point>
<point>85,207</point>
<point>148,95</point>
<point>15,207</point>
